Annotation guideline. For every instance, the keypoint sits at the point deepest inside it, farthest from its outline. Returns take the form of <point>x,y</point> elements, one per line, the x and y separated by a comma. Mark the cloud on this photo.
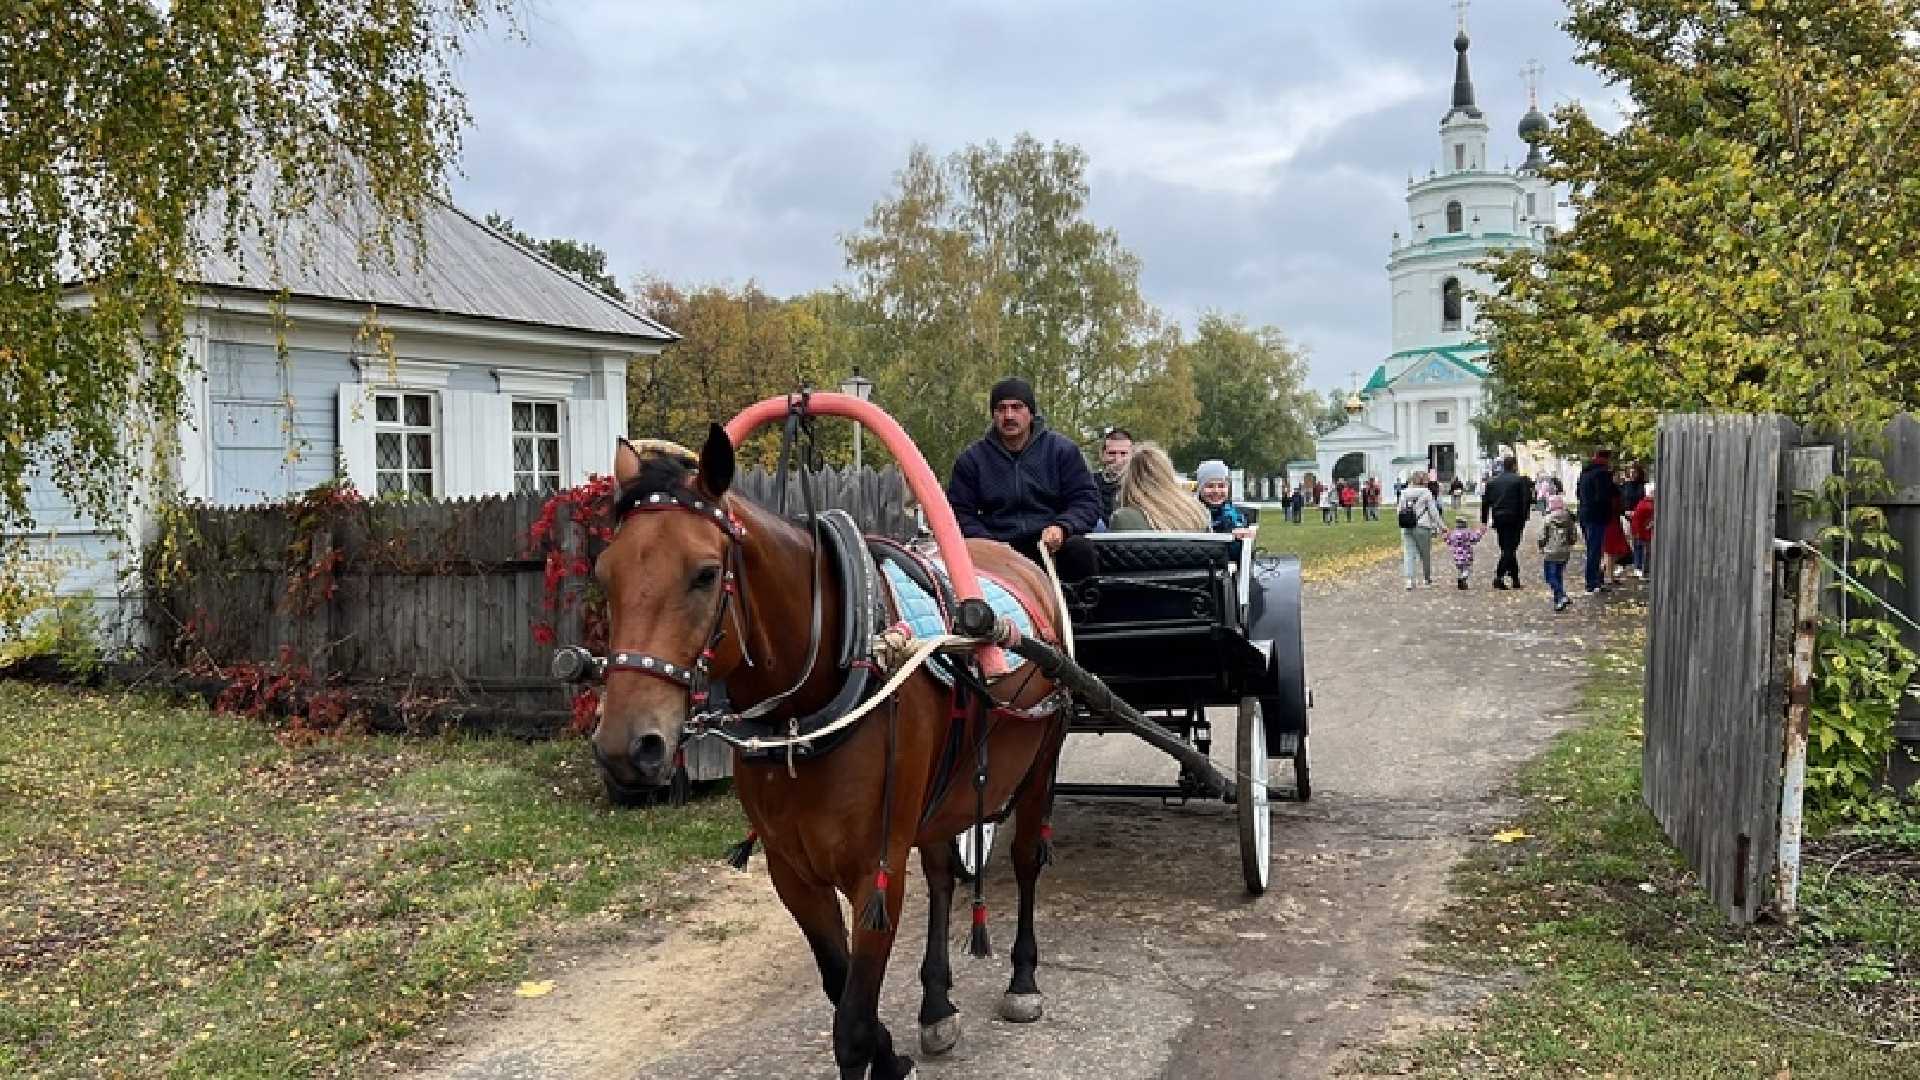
<point>1253,154</point>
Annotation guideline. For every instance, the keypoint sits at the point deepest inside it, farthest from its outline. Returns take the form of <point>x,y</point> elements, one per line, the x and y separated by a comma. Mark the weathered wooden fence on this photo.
<point>1721,617</point>
<point>436,601</point>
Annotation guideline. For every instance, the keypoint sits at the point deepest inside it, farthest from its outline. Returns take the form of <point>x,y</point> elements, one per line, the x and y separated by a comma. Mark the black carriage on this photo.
<point>1177,623</point>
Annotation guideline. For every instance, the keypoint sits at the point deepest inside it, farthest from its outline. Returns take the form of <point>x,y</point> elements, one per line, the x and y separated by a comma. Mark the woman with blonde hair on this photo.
<point>1152,497</point>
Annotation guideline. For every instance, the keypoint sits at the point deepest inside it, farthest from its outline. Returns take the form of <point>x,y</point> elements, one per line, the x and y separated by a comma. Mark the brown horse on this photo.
<point>671,581</point>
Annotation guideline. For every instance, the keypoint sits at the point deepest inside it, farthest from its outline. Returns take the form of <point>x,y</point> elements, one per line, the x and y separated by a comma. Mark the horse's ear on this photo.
<point>626,463</point>
<point>716,462</point>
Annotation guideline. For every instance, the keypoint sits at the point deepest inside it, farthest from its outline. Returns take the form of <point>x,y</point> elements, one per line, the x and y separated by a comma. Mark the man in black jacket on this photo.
<point>1025,485</point>
<point>1595,490</point>
<point>1506,503</point>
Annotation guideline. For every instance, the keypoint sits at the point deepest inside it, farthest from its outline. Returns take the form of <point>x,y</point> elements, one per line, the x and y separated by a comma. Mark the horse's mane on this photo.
<point>664,466</point>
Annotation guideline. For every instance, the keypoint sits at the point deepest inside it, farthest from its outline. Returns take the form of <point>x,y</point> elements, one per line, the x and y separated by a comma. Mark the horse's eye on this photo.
<point>705,578</point>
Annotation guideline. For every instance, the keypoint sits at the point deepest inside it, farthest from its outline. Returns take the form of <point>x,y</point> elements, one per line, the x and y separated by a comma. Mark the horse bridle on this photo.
<point>696,678</point>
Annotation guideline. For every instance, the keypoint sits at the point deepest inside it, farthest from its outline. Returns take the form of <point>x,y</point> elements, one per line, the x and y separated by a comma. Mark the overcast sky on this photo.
<point>1254,155</point>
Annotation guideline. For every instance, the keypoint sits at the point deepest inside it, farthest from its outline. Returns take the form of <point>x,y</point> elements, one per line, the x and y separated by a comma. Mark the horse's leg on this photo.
<point>939,1019</point>
<point>817,909</point>
<point>1023,1003</point>
<point>860,1040</point>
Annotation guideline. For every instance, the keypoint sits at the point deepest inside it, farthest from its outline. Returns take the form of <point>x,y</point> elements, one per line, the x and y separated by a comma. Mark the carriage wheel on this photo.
<point>963,862</point>
<point>1302,784</point>
<point>1255,812</point>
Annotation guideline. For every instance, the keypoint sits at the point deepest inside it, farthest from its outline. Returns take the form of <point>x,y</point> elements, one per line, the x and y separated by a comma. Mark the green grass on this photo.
<point>1624,968</point>
<point>1329,550</point>
<point>185,897</point>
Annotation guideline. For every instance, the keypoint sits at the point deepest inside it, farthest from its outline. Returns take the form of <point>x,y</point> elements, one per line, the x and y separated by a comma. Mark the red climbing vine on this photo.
<point>568,534</point>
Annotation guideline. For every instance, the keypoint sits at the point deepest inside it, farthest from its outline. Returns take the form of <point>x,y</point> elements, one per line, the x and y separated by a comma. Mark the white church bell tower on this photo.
<point>1419,403</point>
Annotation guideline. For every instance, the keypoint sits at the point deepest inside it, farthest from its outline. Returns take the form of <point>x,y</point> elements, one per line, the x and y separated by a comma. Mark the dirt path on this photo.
<point>1154,962</point>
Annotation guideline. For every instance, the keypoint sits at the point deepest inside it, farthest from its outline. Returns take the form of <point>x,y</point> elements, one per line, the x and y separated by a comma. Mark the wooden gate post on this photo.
<point>1793,779</point>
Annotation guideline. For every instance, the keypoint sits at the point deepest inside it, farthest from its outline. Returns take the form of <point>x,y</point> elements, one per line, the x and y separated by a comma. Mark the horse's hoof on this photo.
<point>1021,1008</point>
<point>940,1036</point>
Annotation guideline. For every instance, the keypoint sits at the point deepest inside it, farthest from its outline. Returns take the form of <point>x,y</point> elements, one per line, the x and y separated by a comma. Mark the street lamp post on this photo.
<point>858,386</point>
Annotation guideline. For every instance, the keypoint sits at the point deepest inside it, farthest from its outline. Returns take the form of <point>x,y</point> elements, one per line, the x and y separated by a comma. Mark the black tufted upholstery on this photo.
<point>1132,552</point>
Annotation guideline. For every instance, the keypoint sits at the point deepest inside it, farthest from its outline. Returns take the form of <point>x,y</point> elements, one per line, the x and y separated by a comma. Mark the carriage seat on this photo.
<point>1161,578</point>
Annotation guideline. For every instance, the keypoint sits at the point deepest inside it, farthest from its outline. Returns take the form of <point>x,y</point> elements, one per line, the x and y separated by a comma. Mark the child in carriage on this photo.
<point>1460,540</point>
<point>1216,494</point>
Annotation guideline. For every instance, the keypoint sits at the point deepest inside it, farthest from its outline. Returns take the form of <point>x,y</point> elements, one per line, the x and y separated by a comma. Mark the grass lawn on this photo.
<point>1328,551</point>
<point>1624,968</point>
<point>183,896</point>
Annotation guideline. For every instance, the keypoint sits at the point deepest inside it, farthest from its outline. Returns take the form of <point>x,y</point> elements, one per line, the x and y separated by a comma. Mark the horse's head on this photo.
<point>665,576</point>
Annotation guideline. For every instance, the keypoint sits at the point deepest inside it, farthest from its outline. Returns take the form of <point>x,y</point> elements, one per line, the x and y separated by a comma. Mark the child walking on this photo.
<point>1556,547</point>
<point>1460,540</point>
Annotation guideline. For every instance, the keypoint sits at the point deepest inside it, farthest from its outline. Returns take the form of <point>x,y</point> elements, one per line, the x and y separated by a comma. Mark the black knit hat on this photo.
<point>1013,388</point>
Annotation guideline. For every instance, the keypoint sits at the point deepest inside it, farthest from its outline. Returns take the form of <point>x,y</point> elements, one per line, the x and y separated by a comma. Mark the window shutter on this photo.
<point>476,443</point>
<point>493,444</point>
<point>355,434</point>
<point>589,439</point>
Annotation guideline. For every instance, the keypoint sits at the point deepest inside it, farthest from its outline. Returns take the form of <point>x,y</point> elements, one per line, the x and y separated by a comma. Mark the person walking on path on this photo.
<point>1633,487</point>
<point>1595,491</point>
<point>1370,500</point>
<point>1619,550</point>
<point>1503,504</point>
<point>1458,491</point>
<point>1641,521</point>
<point>1418,516</point>
<point>1542,488</point>
<point>1348,496</point>
<point>1556,542</point>
<point>1296,506</point>
<point>1328,501</point>
<point>1460,540</point>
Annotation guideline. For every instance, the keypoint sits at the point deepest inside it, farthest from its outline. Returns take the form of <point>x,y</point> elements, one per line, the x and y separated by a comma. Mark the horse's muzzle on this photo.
<point>648,762</point>
<point>651,758</point>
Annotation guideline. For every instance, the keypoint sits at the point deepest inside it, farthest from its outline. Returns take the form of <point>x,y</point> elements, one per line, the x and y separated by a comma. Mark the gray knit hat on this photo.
<point>1210,469</point>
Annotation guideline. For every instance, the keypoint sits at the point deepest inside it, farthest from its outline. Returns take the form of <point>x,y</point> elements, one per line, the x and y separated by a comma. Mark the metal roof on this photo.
<point>462,267</point>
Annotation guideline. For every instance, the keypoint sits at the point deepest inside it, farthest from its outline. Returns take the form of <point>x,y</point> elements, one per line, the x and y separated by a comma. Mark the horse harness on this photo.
<point>868,610</point>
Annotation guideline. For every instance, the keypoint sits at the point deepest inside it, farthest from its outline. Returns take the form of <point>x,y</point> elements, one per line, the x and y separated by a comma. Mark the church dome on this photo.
<point>1533,125</point>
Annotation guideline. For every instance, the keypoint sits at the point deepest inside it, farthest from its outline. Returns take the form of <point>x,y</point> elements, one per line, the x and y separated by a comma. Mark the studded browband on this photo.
<point>694,678</point>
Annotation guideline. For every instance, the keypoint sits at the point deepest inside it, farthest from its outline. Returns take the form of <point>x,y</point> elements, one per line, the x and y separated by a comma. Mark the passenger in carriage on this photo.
<point>1151,496</point>
<point>1027,486</point>
<point>1216,491</point>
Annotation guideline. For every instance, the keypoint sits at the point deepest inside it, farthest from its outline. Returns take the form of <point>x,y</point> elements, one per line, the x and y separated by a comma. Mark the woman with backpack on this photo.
<point>1419,518</point>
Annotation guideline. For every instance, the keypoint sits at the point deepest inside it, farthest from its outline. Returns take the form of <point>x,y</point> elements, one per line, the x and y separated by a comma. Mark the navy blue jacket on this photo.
<point>997,495</point>
<point>1595,491</point>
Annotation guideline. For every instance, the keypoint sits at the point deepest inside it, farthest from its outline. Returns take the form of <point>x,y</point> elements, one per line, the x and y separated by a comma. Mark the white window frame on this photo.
<point>436,445</point>
<point>558,436</point>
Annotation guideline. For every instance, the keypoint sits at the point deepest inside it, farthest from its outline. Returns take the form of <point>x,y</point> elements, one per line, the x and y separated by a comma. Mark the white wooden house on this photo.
<point>492,371</point>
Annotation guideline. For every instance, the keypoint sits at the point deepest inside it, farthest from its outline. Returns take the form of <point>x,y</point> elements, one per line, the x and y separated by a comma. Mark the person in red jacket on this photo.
<point>1641,524</point>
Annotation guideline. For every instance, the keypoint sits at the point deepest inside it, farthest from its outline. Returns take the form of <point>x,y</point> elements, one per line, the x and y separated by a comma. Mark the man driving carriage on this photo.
<point>1026,485</point>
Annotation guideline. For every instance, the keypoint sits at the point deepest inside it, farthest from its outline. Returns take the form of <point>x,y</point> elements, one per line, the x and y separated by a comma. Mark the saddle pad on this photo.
<point>913,606</point>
